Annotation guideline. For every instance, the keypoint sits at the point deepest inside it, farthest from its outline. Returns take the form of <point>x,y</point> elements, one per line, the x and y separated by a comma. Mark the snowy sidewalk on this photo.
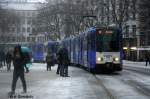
<point>135,64</point>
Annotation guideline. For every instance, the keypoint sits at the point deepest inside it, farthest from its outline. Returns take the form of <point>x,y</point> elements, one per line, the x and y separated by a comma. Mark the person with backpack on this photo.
<point>18,61</point>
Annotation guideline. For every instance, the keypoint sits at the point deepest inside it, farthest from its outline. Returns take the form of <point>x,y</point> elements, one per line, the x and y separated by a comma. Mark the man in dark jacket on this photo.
<point>64,60</point>
<point>19,62</point>
<point>59,60</point>
<point>147,58</point>
<point>1,59</point>
<point>8,60</point>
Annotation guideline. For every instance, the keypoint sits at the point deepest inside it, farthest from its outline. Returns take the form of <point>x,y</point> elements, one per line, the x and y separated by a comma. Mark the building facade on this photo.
<point>24,32</point>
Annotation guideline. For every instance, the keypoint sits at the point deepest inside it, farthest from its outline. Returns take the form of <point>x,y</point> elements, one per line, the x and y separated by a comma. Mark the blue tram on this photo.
<point>52,48</point>
<point>98,49</point>
<point>38,52</point>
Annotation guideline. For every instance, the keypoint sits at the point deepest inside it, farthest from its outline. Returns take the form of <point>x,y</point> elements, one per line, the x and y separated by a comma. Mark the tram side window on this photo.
<point>39,48</point>
<point>92,37</point>
<point>85,44</point>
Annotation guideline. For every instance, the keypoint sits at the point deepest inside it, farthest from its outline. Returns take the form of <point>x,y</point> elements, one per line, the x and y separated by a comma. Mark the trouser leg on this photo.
<point>15,78</point>
<point>58,69</point>
<point>4,62</point>
<point>50,67</point>
<point>47,67</point>
<point>146,62</point>
<point>23,81</point>
<point>0,64</point>
<point>66,70</point>
<point>27,69</point>
<point>7,66</point>
<point>62,70</point>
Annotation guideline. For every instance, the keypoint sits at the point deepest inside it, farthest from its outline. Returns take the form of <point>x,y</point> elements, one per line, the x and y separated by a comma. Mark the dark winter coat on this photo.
<point>147,56</point>
<point>62,56</point>
<point>50,59</point>
<point>8,57</point>
<point>2,56</point>
<point>18,62</point>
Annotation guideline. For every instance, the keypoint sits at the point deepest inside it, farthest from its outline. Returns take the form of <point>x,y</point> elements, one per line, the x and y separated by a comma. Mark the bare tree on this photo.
<point>62,18</point>
<point>119,10</point>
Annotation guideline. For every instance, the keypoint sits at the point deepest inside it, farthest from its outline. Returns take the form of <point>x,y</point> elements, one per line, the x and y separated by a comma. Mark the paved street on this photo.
<point>47,85</point>
<point>80,85</point>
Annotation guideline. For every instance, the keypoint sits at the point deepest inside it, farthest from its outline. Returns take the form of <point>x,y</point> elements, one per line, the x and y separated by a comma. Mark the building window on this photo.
<point>18,30</point>
<point>28,14</point>
<point>127,31</point>
<point>13,29</point>
<point>33,39</point>
<point>134,30</point>
<point>23,29</point>
<point>29,21</point>
<point>23,21</point>
<point>23,14</point>
<point>28,29</point>
<point>28,39</point>
<point>33,21</point>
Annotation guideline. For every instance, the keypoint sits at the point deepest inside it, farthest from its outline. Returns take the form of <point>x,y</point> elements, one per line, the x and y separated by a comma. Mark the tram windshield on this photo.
<point>107,41</point>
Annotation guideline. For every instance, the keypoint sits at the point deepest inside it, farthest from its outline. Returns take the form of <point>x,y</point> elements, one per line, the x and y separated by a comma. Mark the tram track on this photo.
<point>109,94</point>
<point>139,86</point>
<point>144,71</point>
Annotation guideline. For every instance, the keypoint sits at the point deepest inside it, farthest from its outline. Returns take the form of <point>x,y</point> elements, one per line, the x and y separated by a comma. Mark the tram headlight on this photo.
<point>99,59</point>
<point>116,59</point>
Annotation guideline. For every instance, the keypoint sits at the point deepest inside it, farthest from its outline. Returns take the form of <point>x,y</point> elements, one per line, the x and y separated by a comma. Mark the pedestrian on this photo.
<point>64,62</point>
<point>1,59</point>
<point>59,61</point>
<point>8,60</point>
<point>147,58</point>
<point>19,62</point>
<point>49,61</point>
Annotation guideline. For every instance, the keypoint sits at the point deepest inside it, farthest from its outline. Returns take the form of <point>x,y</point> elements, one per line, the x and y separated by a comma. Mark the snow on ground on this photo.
<point>135,64</point>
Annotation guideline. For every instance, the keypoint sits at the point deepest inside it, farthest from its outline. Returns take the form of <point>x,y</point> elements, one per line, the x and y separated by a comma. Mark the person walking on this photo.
<point>8,60</point>
<point>59,61</point>
<point>147,58</point>
<point>64,62</point>
<point>18,62</point>
<point>49,61</point>
<point>1,59</point>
